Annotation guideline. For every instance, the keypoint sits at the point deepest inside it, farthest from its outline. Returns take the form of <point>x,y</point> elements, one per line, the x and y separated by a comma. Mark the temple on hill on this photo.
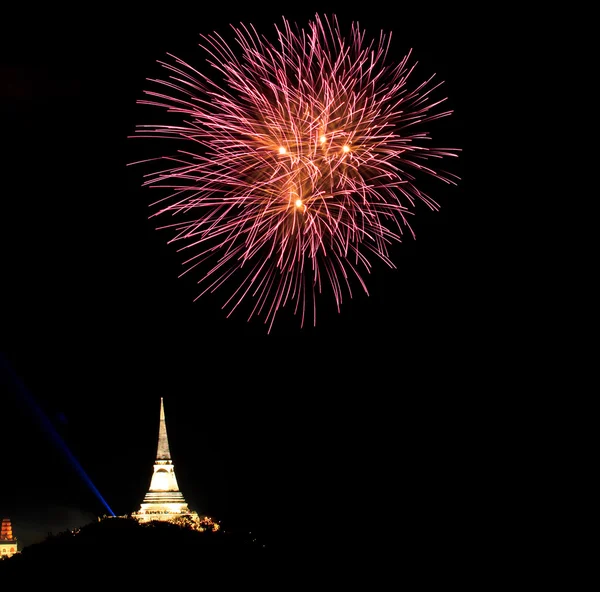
<point>164,501</point>
<point>8,542</point>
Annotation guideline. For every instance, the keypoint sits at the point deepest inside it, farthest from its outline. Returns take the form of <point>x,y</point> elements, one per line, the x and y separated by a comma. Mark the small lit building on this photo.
<point>8,543</point>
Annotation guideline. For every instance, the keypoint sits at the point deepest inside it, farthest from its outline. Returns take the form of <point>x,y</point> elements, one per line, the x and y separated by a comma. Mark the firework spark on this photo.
<point>301,161</point>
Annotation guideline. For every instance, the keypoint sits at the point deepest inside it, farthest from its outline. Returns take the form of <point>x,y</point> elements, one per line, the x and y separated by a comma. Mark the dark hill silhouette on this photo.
<point>119,554</point>
<point>118,550</point>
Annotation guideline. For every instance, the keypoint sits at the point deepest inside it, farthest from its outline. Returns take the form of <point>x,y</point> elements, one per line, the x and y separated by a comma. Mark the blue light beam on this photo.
<point>54,435</point>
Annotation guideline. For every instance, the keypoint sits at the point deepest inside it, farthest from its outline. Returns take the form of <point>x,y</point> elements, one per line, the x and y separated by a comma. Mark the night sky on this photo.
<point>373,412</point>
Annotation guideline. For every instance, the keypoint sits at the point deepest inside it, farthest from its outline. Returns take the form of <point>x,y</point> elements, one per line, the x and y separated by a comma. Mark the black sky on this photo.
<point>366,412</point>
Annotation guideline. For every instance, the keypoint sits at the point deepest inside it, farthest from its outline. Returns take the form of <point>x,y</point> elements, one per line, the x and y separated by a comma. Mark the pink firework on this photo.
<point>300,162</point>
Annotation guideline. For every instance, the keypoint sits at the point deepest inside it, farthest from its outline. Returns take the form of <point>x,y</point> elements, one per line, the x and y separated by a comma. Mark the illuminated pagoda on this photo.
<point>8,543</point>
<point>164,501</point>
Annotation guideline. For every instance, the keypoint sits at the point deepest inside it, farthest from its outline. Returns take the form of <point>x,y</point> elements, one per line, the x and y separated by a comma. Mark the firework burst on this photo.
<point>300,162</point>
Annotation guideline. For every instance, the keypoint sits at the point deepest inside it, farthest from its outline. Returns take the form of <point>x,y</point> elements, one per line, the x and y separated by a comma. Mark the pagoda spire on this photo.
<point>163,452</point>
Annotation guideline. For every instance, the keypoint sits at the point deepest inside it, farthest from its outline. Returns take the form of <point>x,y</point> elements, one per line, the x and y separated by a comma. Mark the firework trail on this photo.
<point>300,161</point>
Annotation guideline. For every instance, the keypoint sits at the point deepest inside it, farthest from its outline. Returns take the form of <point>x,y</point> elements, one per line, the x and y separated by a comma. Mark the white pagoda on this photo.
<point>164,501</point>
